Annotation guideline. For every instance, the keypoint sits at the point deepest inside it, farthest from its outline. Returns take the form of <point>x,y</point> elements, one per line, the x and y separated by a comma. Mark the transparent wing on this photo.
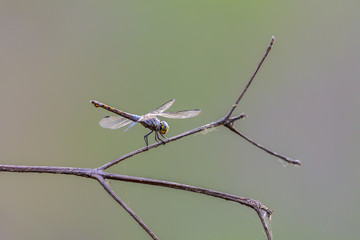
<point>130,126</point>
<point>114,122</point>
<point>181,114</point>
<point>162,108</point>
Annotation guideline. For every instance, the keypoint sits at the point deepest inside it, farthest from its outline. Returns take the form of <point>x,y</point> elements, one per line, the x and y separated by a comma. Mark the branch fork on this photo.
<point>100,175</point>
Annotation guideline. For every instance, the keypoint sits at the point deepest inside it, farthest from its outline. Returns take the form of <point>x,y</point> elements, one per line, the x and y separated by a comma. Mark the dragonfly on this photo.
<point>149,120</point>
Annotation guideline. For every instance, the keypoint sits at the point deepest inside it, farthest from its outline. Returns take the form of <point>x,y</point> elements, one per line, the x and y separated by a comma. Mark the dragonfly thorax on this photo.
<point>164,127</point>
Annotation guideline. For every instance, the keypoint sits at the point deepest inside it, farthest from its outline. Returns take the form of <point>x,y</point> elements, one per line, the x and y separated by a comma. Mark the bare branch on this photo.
<point>265,219</point>
<point>256,205</point>
<point>263,212</point>
<point>154,145</point>
<point>82,172</point>
<point>286,159</point>
<point>251,78</point>
<point>101,175</point>
<point>131,212</point>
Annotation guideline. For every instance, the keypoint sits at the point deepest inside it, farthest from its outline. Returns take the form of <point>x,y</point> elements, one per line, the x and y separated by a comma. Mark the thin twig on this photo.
<point>100,176</point>
<point>171,139</point>
<point>286,159</point>
<point>263,212</point>
<point>242,200</point>
<point>263,216</point>
<point>154,145</point>
<point>81,172</point>
<point>128,209</point>
<point>251,78</point>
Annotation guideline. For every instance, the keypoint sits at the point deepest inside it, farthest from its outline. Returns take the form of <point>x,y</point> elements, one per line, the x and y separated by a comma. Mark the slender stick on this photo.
<point>82,172</point>
<point>251,78</point>
<point>242,200</point>
<point>131,212</point>
<point>154,145</point>
<point>100,176</point>
<point>264,223</point>
<point>286,159</point>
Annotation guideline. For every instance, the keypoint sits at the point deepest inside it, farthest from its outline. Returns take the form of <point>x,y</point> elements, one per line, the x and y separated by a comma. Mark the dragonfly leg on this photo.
<point>163,135</point>
<point>146,138</point>
<point>158,137</point>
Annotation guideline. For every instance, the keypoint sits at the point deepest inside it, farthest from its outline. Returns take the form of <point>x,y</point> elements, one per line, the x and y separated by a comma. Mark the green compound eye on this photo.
<point>164,127</point>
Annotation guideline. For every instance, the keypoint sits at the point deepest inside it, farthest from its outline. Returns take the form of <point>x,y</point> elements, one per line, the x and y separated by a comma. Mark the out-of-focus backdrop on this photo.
<point>55,56</point>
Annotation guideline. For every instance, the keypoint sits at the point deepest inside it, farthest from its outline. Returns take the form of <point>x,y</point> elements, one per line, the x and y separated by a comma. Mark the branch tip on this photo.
<point>251,78</point>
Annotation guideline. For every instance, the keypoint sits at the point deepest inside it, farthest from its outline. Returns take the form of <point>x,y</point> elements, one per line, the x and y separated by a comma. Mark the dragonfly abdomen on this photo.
<point>132,117</point>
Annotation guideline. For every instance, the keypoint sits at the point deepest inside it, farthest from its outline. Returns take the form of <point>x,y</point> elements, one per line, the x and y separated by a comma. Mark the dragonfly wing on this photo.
<point>114,122</point>
<point>131,125</point>
<point>181,114</point>
<point>162,108</point>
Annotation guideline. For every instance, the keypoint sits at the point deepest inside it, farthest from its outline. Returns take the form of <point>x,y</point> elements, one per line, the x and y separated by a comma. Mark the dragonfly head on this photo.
<point>164,127</point>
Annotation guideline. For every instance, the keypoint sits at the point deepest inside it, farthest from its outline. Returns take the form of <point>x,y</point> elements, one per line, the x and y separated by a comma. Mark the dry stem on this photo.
<point>98,174</point>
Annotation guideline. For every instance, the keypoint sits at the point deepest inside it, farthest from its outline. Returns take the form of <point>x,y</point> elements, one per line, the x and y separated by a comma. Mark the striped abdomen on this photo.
<point>132,117</point>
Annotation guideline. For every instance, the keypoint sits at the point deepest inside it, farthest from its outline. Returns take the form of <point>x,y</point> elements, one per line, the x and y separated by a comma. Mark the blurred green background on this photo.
<point>55,56</point>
